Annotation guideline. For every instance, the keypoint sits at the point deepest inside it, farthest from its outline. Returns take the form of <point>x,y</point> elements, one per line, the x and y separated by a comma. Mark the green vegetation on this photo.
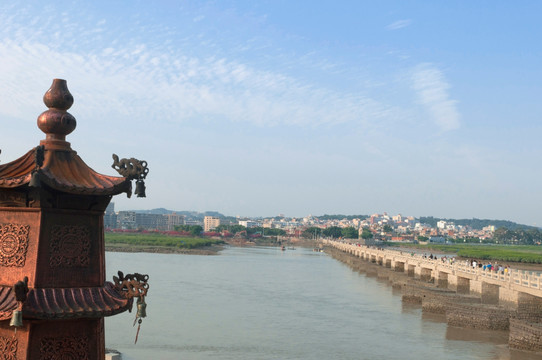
<point>512,253</point>
<point>366,234</point>
<point>312,232</point>
<point>476,223</point>
<point>265,231</point>
<point>387,228</point>
<point>149,239</point>
<point>194,230</point>
<point>333,232</point>
<point>350,233</point>
<point>519,236</point>
<point>232,229</point>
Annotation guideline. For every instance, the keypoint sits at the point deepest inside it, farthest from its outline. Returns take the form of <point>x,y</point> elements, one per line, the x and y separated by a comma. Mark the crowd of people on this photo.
<point>497,268</point>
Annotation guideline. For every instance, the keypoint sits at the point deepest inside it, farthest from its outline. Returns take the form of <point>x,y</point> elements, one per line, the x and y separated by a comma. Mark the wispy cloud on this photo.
<point>432,90</point>
<point>399,24</point>
<point>141,80</point>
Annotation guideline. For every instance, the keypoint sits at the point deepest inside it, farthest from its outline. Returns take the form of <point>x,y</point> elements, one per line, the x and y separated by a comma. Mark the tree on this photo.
<point>387,228</point>
<point>333,232</point>
<point>422,238</point>
<point>311,232</point>
<point>350,233</point>
<point>366,234</point>
<point>195,230</point>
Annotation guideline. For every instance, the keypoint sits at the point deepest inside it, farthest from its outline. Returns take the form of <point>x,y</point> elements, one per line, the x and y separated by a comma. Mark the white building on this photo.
<point>210,223</point>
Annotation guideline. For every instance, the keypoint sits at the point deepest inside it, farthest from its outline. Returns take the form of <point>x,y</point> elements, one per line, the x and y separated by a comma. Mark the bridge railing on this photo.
<point>519,277</point>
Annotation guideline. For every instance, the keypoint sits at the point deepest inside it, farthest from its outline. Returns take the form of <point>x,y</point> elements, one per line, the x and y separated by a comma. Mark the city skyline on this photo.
<point>261,108</point>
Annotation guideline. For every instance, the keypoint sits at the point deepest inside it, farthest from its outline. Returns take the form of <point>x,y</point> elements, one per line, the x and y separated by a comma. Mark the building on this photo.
<point>249,223</point>
<point>110,217</point>
<point>210,223</point>
<point>150,221</point>
<point>126,220</point>
<point>173,220</point>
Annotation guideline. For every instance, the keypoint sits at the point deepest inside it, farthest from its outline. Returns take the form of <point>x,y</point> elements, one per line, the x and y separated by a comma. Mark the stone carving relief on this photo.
<point>70,246</point>
<point>13,244</point>
<point>7,199</point>
<point>8,348</point>
<point>68,348</point>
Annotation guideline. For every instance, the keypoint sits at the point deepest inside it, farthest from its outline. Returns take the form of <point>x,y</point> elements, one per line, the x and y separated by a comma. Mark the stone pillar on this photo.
<point>476,287</point>
<point>525,335</point>
<point>441,279</point>
<point>452,282</point>
<point>478,316</point>
<point>529,307</point>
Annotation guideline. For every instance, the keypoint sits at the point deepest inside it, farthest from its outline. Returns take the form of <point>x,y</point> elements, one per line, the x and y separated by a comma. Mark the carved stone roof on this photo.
<point>63,303</point>
<point>62,170</point>
<point>56,164</point>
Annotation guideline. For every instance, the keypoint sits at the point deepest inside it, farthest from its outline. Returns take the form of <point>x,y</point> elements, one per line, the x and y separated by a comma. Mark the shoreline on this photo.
<point>207,250</point>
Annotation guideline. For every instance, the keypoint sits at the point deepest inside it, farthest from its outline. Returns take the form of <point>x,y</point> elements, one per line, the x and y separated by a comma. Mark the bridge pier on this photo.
<point>525,335</point>
<point>478,316</point>
<point>529,307</point>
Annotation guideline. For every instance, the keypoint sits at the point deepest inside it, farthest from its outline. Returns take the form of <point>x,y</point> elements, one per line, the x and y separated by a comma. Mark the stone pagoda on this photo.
<point>53,291</point>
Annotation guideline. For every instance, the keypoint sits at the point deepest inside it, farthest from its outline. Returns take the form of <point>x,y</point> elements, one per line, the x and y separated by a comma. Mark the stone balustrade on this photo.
<point>458,276</point>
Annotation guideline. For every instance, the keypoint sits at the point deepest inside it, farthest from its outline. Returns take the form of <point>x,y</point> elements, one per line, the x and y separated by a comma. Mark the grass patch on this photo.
<point>513,253</point>
<point>159,240</point>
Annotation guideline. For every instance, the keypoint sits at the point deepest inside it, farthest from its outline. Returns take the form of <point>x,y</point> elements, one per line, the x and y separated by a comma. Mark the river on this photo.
<point>263,303</point>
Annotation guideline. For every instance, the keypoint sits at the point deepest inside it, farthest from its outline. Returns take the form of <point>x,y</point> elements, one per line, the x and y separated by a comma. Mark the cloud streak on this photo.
<point>432,91</point>
<point>399,24</point>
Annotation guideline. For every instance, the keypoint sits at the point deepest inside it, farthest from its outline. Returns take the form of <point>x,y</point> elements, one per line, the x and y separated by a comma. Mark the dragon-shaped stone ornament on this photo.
<point>132,169</point>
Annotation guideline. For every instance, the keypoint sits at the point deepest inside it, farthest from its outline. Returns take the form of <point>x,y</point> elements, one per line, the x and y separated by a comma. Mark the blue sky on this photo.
<point>255,108</point>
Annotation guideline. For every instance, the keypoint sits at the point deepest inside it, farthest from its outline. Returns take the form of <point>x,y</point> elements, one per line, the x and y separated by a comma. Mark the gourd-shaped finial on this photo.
<point>56,122</point>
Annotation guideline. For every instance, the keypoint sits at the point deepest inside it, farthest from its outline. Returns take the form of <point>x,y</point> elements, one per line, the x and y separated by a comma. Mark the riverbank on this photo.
<point>206,250</point>
<point>214,249</point>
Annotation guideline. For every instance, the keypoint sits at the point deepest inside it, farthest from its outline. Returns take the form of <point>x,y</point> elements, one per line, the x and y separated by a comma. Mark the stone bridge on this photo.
<point>514,287</point>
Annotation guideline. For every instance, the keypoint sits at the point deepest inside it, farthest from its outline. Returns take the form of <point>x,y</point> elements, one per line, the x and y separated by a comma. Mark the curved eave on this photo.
<point>66,303</point>
<point>17,172</point>
<point>63,171</point>
<point>7,303</point>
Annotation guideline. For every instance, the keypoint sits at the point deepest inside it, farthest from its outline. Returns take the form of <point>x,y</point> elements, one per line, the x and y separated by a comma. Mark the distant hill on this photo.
<point>160,211</point>
<point>477,224</point>
<point>189,215</point>
<point>340,217</point>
